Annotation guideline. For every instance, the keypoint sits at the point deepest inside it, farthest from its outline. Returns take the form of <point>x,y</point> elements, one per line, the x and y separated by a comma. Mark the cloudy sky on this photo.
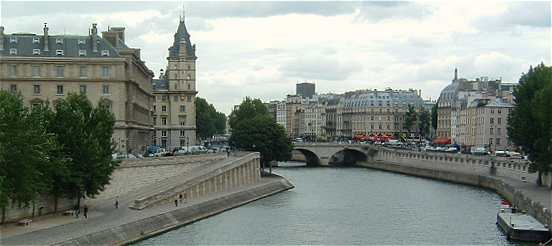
<point>262,49</point>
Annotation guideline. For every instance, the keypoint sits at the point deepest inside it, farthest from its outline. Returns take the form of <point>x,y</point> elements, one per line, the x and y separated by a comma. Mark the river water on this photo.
<point>352,206</point>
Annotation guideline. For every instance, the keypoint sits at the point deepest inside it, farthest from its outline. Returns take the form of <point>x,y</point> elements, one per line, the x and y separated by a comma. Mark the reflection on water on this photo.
<point>352,206</point>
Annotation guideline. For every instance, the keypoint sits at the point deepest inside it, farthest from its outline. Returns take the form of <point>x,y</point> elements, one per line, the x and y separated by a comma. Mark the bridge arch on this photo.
<point>347,157</point>
<point>311,158</point>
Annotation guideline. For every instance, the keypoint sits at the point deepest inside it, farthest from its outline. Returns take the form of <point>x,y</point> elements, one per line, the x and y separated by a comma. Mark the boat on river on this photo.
<point>521,226</point>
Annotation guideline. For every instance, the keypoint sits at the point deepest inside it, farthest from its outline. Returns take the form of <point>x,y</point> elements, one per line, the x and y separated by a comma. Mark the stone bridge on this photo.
<point>335,154</point>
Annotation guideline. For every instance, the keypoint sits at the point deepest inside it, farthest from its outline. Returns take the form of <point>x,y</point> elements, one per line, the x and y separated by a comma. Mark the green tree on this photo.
<point>410,119</point>
<point>434,117</point>
<point>529,123</point>
<point>84,133</point>
<point>424,123</point>
<point>24,152</point>
<point>253,129</point>
<point>209,122</point>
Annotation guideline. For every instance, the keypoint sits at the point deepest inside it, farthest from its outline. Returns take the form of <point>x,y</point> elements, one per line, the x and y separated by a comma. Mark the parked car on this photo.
<point>479,151</point>
<point>197,149</point>
<point>118,156</point>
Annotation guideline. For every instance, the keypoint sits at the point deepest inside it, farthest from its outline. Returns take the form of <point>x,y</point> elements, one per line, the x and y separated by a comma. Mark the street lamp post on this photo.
<point>187,144</point>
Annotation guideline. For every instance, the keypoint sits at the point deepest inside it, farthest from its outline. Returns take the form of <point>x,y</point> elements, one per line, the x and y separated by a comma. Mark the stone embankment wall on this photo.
<point>44,205</point>
<point>130,175</point>
<point>470,170</point>
<point>233,174</point>
<point>472,164</point>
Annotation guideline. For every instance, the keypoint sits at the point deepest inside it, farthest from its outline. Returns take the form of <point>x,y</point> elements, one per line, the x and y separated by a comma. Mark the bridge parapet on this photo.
<point>517,169</point>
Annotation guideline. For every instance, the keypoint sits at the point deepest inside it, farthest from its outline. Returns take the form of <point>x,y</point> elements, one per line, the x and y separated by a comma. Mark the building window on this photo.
<point>82,52</point>
<point>13,51</point>
<point>154,108</point>
<point>182,120</point>
<point>490,141</point>
<point>163,108</point>
<point>491,120</point>
<point>36,51</point>
<point>164,98</point>
<point>189,87</point>
<point>182,142</point>
<point>105,71</point>
<point>498,141</point>
<point>36,40</point>
<point>35,70</point>
<point>60,71</point>
<point>13,88</point>
<point>105,89</point>
<point>59,41</point>
<point>491,131</point>
<point>499,121</point>
<point>182,108</point>
<point>154,120</point>
<point>59,52</point>
<point>105,52</point>
<point>189,98</point>
<point>499,111</point>
<point>59,91</point>
<point>182,133</point>
<point>36,89</point>
<point>13,70</point>
<point>498,131</point>
<point>175,98</point>
<point>164,121</point>
<point>164,143</point>
<point>82,41</point>
<point>13,40</point>
<point>163,133</point>
<point>82,89</point>
<point>83,71</point>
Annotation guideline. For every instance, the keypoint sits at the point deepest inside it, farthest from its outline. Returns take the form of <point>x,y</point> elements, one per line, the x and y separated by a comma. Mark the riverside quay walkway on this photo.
<point>215,183</point>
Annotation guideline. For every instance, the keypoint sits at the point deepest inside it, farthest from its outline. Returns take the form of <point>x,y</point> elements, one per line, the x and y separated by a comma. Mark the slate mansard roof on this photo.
<point>160,84</point>
<point>25,43</point>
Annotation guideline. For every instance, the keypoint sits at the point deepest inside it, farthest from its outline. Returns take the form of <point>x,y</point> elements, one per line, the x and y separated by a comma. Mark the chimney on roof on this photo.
<point>45,37</point>
<point>455,74</point>
<point>1,38</point>
<point>161,74</point>
<point>94,37</point>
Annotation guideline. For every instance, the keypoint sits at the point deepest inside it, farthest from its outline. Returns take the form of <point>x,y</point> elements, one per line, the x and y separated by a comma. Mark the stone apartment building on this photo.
<point>376,112</point>
<point>48,67</point>
<point>330,116</point>
<point>175,92</point>
<point>467,108</point>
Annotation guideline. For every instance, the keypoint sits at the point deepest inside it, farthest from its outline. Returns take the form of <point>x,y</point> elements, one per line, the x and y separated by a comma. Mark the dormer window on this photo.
<point>59,52</point>
<point>105,52</point>
<point>82,41</point>
<point>59,41</point>
<point>36,51</point>
<point>36,40</point>
<point>82,52</point>
<point>13,39</point>
<point>13,51</point>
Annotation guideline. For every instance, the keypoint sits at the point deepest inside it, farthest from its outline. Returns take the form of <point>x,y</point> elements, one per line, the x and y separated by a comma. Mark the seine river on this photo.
<point>352,206</point>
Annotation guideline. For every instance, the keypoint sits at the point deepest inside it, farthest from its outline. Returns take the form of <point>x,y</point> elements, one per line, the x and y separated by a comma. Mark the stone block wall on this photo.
<point>481,165</point>
<point>232,175</point>
<point>44,205</point>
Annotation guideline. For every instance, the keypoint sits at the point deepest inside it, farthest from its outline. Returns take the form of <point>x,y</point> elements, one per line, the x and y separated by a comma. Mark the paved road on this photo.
<point>102,215</point>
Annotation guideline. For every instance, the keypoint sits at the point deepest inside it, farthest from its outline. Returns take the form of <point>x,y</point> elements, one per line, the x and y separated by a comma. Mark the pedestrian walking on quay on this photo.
<point>117,202</point>
<point>227,152</point>
<point>85,211</point>
<point>76,210</point>
<point>176,202</point>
